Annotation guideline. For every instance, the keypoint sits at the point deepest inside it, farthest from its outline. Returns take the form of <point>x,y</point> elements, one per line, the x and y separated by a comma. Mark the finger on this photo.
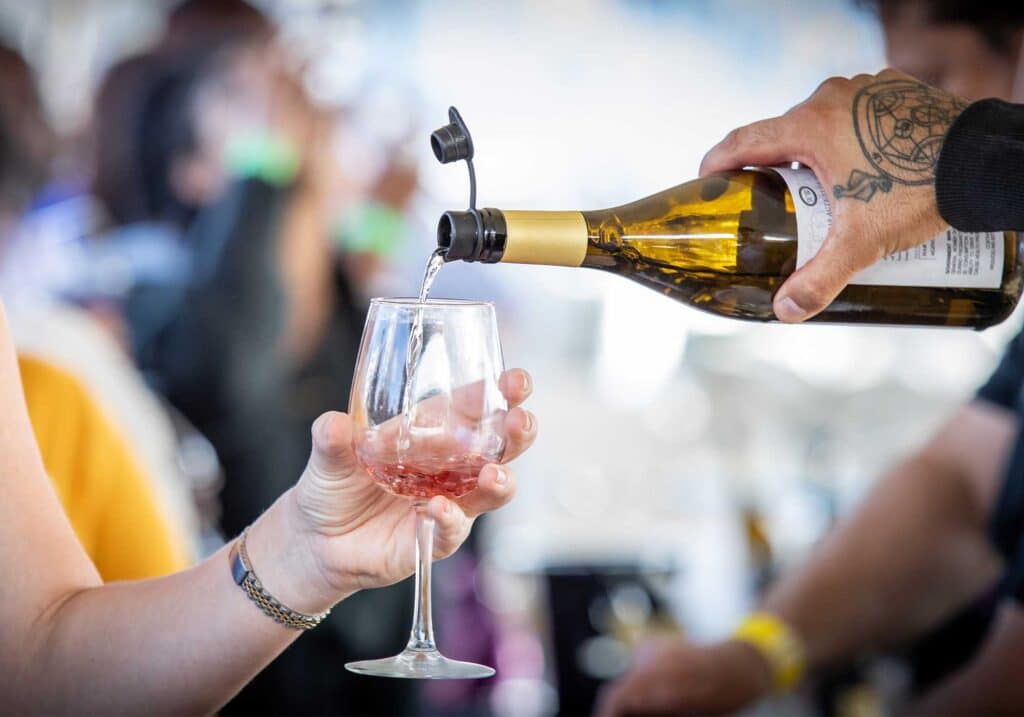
<point>815,285</point>
<point>495,487</point>
<point>771,141</point>
<point>607,701</point>
<point>636,693</point>
<point>520,433</point>
<point>333,455</point>
<point>451,526</point>
<point>472,401</point>
<point>517,385</point>
<point>617,698</point>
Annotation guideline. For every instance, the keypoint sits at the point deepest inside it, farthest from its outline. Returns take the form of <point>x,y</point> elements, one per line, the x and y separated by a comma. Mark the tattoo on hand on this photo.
<point>900,125</point>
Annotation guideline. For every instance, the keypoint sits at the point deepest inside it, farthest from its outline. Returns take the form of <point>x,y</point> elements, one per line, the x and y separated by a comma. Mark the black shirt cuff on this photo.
<point>979,181</point>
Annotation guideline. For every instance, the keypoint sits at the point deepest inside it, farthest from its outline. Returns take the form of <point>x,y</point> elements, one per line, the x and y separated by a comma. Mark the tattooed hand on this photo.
<point>874,142</point>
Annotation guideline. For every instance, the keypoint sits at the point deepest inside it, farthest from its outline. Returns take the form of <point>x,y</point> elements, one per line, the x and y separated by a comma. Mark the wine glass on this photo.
<point>428,414</point>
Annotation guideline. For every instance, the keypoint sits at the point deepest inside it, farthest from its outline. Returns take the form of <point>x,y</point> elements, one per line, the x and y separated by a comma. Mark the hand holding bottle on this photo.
<point>874,143</point>
<point>771,243</point>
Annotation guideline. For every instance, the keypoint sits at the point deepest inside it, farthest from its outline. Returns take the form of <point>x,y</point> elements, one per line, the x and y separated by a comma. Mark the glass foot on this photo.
<point>421,665</point>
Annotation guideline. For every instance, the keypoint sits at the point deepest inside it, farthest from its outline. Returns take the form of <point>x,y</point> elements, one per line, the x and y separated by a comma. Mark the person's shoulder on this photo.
<point>64,422</point>
<point>47,385</point>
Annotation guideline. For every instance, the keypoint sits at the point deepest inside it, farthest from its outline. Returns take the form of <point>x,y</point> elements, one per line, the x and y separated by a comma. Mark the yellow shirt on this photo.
<point>105,495</point>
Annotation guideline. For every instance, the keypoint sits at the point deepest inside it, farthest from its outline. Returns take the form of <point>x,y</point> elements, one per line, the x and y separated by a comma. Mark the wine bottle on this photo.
<point>726,242</point>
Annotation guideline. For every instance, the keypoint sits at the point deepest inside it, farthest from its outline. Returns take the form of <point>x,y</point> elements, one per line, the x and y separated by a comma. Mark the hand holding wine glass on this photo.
<point>194,638</point>
<point>360,536</point>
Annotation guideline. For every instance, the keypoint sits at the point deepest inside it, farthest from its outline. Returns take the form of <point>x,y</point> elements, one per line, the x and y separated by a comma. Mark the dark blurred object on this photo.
<point>970,49</point>
<point>599,613</point>
<point>214,22</point>
<point>142,128</point>
<point>998,23</point>
<point>942,651</point>
<point>26,140</point>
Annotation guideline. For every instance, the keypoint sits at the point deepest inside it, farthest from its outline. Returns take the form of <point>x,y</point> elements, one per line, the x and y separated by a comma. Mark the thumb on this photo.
<point>333,455</point>
<point>817,283</point>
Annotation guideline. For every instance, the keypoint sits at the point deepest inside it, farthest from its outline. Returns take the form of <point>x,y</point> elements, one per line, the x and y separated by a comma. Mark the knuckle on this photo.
<point>832,84</point>
<point>808,114</point>
<point>733,140</point>
<point>764,132</point>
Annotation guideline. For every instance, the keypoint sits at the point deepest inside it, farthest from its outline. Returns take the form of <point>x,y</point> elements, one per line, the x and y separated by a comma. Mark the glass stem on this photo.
<point>422,637</point>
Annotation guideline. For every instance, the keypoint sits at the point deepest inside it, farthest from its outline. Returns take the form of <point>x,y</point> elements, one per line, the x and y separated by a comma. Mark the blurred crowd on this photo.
<point>187,282</point>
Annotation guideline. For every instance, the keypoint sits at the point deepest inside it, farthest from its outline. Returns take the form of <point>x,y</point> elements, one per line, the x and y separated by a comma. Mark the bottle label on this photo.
<point>953,259</point>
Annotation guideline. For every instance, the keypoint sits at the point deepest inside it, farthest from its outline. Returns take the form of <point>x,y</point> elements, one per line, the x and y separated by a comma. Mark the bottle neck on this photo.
<point>552,238</point>
<point>516,237</point>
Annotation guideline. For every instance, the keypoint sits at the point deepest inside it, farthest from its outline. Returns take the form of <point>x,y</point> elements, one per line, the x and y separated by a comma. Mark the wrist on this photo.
<point>757,672</point>
<point>777,644</point>
<point>284,557</point>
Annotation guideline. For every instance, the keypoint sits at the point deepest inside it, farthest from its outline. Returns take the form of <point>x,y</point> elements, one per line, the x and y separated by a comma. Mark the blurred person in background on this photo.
<point>931,564</point>
<point>124,520</point>
<point>371,233</point>
<point>221,192</point>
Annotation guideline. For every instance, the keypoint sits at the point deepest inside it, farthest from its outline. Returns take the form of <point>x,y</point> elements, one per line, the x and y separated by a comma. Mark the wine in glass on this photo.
<point>428,414</point>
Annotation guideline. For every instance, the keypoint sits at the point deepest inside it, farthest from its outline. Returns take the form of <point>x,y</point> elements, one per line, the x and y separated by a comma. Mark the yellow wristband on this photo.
<point>779,645</point>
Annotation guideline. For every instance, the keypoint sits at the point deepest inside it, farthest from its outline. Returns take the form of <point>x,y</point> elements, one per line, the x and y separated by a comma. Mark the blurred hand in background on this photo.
<point>672,677</point>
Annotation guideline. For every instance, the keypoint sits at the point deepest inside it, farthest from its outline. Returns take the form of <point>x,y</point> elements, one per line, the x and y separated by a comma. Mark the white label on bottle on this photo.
<point>953,259</point>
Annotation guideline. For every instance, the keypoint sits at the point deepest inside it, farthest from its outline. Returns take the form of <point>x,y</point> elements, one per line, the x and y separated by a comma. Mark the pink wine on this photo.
<point>451,477</point>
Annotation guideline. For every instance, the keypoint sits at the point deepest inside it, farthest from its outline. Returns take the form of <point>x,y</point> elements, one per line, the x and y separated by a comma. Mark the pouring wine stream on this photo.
<point>415,347</point>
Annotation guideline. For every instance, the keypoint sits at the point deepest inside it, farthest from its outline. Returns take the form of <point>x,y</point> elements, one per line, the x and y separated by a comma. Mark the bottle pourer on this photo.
<point>461,234</point>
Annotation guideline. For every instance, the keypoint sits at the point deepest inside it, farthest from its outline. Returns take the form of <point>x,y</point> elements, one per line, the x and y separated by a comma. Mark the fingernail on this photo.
<point>788,310</point>
<point>500,476</point>
<point>528,421</point>
<point>321,426</point>
<point>447,507</point>
<point>526,388</point>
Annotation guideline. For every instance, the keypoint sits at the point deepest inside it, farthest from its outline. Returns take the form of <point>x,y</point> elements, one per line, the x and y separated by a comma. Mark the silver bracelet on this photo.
<point>245,578</point>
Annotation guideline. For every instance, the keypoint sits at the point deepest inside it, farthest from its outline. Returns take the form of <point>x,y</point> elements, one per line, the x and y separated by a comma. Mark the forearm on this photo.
<point>913,552</point>
<point>184,644</point>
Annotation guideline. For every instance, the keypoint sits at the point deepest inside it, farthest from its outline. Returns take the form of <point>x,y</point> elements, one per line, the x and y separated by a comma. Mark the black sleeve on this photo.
<point>1005,523</point>
<point>978,180</point>
<point>1003,387</point>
